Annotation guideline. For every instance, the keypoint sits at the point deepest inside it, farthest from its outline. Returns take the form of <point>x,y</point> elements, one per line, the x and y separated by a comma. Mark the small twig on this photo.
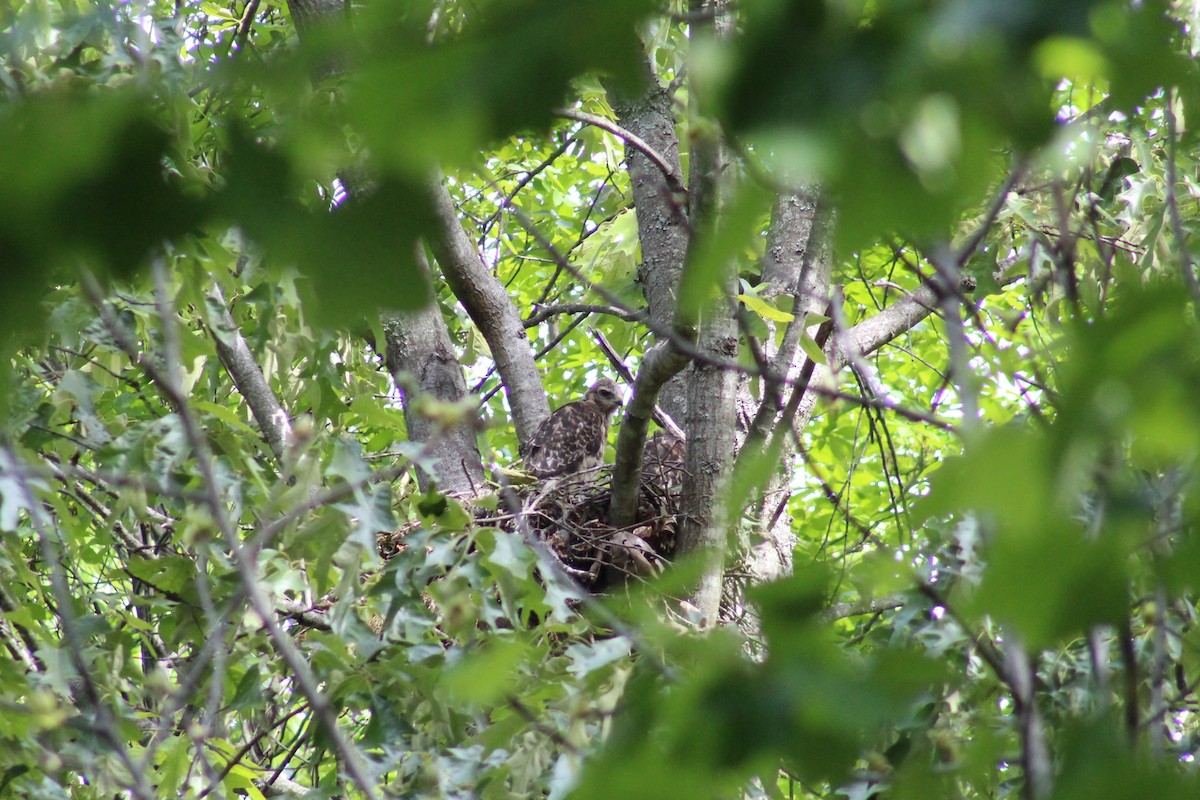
<point>1185,256</point>
<point>526,178</point>
<point>245,23</point>
<point>674,179</point>
<point>664,419</point>
<point>545,312</point>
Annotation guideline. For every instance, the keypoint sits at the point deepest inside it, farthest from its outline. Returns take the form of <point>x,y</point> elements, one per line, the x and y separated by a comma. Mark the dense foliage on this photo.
<point>990,585</point>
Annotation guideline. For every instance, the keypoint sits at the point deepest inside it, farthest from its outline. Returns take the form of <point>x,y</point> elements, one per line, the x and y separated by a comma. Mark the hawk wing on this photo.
<point>571,439</point>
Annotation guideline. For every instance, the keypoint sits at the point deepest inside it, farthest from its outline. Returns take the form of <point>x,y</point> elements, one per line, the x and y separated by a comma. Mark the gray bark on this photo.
<point>872,333</point>
<point>659,365</point>
<point>493,312</point>
<point>705,525</point>
<point>663,228</point>
<point>422,359</point>
<point>712,396</point>
<point>788,249</point>
<point>273,421</point>
<point>797,261</point>
<point>902,315</point>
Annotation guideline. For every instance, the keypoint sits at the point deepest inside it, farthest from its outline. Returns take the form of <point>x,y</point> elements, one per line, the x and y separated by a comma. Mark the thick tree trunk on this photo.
<point>663,228</point>
<point>421,358</point>
<point>797,262</point>
<point>662,221</point>
<point>704,526</point>
<point>712,394</point>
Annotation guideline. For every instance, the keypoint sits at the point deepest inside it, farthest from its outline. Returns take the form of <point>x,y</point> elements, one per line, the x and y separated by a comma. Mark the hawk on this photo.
<point>662,463</point>
<point>572,439</point>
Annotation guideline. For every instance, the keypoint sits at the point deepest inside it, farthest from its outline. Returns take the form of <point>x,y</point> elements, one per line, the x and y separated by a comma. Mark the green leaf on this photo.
<point>1053,587</point>
<point>765,309</point>
<point>417,104</point>
<point>716,251</point>
<point>376,232</point>
<point>485,676</point>
<point>87,184</point>
<point>248,693</point>
<point>507,551</point>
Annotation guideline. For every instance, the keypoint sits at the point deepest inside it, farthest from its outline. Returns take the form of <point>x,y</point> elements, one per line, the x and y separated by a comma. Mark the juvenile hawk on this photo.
<point>572,438</point>
<point>662,463</point>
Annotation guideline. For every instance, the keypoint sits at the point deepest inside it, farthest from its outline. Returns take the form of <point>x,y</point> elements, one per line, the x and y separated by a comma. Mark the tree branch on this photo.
<point>902,315</point>
<point>239,362</point>
<point>493,312</point>
<point>872,606</point>
<point>669,170</point>
<point>659,365</point>
<point>546,312</point>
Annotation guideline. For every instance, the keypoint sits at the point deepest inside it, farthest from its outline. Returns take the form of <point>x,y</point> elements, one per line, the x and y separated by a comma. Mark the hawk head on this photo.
<point>605,395</point>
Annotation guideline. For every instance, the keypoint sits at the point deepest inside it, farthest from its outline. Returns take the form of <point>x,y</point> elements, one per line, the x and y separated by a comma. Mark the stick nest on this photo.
<point>569,516</point>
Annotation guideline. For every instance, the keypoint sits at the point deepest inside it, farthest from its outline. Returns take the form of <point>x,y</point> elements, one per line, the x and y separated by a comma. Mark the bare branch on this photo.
<point>493,312</point>
<point>669,171</point>
<point>235,354</point>
<point>245,23</point>
<point>546,312</point>
<point>946,283</point>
